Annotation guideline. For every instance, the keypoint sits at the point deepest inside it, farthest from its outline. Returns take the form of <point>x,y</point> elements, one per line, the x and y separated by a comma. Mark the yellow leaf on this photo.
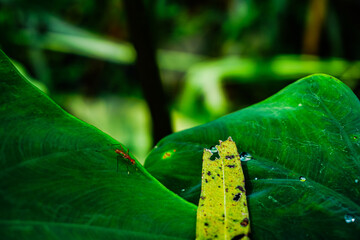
<point>222,211</point>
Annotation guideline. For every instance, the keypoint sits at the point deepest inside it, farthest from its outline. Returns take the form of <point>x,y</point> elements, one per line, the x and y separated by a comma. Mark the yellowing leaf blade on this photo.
<point>222,211</point>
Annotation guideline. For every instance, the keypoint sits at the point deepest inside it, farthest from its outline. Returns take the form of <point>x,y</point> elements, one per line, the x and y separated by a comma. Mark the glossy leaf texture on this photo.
<point>303,178</point>
<point>59,178</point>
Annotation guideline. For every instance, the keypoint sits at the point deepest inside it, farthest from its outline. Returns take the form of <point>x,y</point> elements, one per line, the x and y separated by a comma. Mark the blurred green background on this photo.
<point>94,58</point>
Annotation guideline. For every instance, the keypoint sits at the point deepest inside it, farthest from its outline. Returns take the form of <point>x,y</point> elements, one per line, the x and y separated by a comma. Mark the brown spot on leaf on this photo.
<point>238,237</point>
<point>240,188</point>
<point>244,222</point>
<point>237,197</point>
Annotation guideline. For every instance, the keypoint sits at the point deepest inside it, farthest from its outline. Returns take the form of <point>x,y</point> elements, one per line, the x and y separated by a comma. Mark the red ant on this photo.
<point>126,155</point>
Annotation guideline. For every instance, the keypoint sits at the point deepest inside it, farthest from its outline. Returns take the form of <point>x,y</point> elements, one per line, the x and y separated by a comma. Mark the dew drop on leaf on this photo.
<point>213,150</point>
<point>302,179</point>
<point>215,153</point>
<point>255,178</point>
<point>349,218</point>
<point>183,190</point>
<point>356,180</point>
<point>244,156</point>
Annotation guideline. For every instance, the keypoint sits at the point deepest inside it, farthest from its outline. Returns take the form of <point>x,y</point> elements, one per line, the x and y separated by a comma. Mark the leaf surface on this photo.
<point>58,177</point>
<point>222,212</point>
<point>303,180</point>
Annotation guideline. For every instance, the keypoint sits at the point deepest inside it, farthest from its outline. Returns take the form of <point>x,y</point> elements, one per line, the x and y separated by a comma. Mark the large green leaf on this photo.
<point>59,177</point>
<point>310,129</point>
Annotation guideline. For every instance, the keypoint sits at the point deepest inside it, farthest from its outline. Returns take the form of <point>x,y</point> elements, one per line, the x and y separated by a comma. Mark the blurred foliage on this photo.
<point>208,80</point>
<point>215,56</point>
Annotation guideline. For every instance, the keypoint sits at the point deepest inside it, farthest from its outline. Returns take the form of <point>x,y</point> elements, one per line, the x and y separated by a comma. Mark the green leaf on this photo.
<point>303,178</point>
<point>58,177</point>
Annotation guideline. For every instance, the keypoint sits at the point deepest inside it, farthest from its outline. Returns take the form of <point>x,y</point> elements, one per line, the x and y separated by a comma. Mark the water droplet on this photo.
<point>213,150</point>
<point>300,105</point>
<point>356,180</point>
<point>255,178</point>
<point>244,156</point>
<point>302,179</point>
<point>215,153</point>
<point>349,218</point>
<point>183,190</point>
